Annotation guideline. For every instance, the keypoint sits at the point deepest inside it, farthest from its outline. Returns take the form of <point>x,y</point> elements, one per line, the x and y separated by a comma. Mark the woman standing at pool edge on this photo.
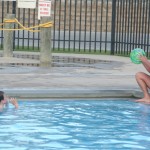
<point>143,80</point>
<point>4,100</point>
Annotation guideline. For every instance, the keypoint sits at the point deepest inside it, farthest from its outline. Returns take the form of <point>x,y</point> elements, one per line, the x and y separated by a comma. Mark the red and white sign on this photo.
<point>44,8</point>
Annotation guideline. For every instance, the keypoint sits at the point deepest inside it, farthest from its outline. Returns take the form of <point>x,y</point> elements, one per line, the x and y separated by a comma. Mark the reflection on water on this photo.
<point>76,125</point>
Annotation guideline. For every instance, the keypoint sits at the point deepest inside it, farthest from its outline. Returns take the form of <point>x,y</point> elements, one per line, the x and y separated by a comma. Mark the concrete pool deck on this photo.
<point>108,76</point>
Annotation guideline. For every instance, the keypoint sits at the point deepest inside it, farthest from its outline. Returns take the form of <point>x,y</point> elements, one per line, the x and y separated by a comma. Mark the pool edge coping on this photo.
<point>72,93</point>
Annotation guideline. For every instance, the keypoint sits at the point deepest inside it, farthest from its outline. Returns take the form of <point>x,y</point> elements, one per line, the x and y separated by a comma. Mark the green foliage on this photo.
<point>71,51</point>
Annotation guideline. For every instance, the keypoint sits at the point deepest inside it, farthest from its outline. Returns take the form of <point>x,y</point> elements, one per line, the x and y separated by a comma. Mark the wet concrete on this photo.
<point>103,73</point>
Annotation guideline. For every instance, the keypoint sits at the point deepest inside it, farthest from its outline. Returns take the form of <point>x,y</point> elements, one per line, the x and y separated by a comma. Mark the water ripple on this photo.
<point>76,125</point>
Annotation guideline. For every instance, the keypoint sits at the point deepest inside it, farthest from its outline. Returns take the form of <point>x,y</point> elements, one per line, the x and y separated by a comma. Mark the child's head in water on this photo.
<point>2,98</point>
<point>5,100</point>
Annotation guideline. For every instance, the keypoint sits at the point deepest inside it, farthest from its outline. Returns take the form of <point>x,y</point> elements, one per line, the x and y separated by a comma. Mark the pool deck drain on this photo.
<point>6,61</point>
<point>116,79</point>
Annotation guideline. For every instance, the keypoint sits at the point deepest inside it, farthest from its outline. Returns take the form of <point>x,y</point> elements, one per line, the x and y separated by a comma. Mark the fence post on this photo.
<point>113,26</point>
<point>14,12</point>
<point>45,44</point>
<point>8,37</point>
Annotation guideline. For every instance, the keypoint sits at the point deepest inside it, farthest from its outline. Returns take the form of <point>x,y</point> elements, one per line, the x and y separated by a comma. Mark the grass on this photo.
<point>71,51</point>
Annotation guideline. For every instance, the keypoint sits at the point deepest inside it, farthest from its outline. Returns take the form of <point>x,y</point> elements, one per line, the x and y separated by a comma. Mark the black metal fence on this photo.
<point>100,26</point>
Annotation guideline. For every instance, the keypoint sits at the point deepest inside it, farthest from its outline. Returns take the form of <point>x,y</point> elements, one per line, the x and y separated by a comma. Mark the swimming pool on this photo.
<point>76,125</point>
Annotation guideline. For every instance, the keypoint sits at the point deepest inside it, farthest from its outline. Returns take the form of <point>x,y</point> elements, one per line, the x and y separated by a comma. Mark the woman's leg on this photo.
<point>143,81</point>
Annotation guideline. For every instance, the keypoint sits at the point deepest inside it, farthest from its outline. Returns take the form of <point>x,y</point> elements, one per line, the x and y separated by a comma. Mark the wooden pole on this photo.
<point>8,37</point>
<point>45,44</point>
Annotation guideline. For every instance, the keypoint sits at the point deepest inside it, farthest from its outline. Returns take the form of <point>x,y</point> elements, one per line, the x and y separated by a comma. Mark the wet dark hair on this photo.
<point>1,96</point>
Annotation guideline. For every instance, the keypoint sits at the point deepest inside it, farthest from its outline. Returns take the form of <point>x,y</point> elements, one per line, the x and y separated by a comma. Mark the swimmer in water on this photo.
<point>5,100</point>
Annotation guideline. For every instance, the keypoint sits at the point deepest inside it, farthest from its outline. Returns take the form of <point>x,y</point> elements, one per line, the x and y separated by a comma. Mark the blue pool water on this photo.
<point>76,125</point>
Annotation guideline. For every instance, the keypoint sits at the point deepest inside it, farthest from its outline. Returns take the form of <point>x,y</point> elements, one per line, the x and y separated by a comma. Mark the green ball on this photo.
<point>135,54</point>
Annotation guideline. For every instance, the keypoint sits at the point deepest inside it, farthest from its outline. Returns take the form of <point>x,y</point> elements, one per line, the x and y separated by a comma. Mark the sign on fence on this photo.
<point>44,8</point>
<point>26,3</point>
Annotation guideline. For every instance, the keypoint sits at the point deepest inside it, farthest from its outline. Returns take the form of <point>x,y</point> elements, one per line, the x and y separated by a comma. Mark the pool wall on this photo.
<point>73,93</point>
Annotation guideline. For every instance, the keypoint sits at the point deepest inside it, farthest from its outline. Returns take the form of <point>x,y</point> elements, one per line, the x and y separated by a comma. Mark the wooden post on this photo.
<point>45,44</point>
<point>8,37</point>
